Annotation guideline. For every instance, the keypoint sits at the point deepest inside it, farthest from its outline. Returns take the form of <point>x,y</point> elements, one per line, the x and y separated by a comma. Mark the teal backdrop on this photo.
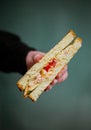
<point>41,24</point>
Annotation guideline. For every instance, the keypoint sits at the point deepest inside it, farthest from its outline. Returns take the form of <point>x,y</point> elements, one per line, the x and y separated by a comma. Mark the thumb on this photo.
<point>38,57</point>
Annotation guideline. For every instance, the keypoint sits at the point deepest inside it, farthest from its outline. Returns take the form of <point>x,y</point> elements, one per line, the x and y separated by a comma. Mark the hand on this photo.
<point>34,56</point>
<point>62,76</point>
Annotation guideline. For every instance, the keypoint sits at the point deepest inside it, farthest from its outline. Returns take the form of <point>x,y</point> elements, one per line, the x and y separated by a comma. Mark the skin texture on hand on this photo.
<point>34,56</point>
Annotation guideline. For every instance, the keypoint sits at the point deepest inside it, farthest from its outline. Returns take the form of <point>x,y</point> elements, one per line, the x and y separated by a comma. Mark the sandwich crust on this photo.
<point>32,72</point>
<point>40,75</point>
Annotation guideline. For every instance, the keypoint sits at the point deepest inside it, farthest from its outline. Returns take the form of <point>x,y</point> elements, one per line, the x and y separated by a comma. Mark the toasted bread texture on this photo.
<point>40,75</point>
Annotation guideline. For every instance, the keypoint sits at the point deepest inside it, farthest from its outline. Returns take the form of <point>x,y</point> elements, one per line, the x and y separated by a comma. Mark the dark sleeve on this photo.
<point>13,53</point>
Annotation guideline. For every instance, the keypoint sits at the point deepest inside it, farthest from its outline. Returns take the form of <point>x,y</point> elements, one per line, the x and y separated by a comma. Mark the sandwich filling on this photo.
<point>51,64</point>
<point>44,73</point>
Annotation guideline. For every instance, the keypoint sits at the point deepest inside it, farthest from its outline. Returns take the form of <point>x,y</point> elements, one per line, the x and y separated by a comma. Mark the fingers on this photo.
<point>33,57</point>
<point>38,56</point>
<point>54,82</point>
<point>63,74</point>
<point>63,77</point>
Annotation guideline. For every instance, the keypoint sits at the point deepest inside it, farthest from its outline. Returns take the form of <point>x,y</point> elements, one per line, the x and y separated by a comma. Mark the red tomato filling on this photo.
<point>50,65</point>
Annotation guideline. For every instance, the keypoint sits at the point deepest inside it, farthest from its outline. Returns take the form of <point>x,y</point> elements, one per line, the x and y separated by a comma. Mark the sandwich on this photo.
<point>41,74</point>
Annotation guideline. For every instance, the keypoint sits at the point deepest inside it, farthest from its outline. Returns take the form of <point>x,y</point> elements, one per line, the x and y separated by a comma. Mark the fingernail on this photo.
<point>50,87</point>
<point>55,81</point>
<point>36,58</point>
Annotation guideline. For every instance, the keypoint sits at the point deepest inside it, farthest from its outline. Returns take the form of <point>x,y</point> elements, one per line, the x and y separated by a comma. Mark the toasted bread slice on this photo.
<point>32,72</point>
<point>62,59</point>
<point>40,75</point>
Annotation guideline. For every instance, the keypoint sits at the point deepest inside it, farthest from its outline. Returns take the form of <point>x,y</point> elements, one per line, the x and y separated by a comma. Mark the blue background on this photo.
<point>42,24</point>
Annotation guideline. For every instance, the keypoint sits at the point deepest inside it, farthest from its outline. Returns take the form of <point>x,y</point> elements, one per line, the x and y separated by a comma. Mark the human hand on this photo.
<point>34,56</point>
<point>62,76</point>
